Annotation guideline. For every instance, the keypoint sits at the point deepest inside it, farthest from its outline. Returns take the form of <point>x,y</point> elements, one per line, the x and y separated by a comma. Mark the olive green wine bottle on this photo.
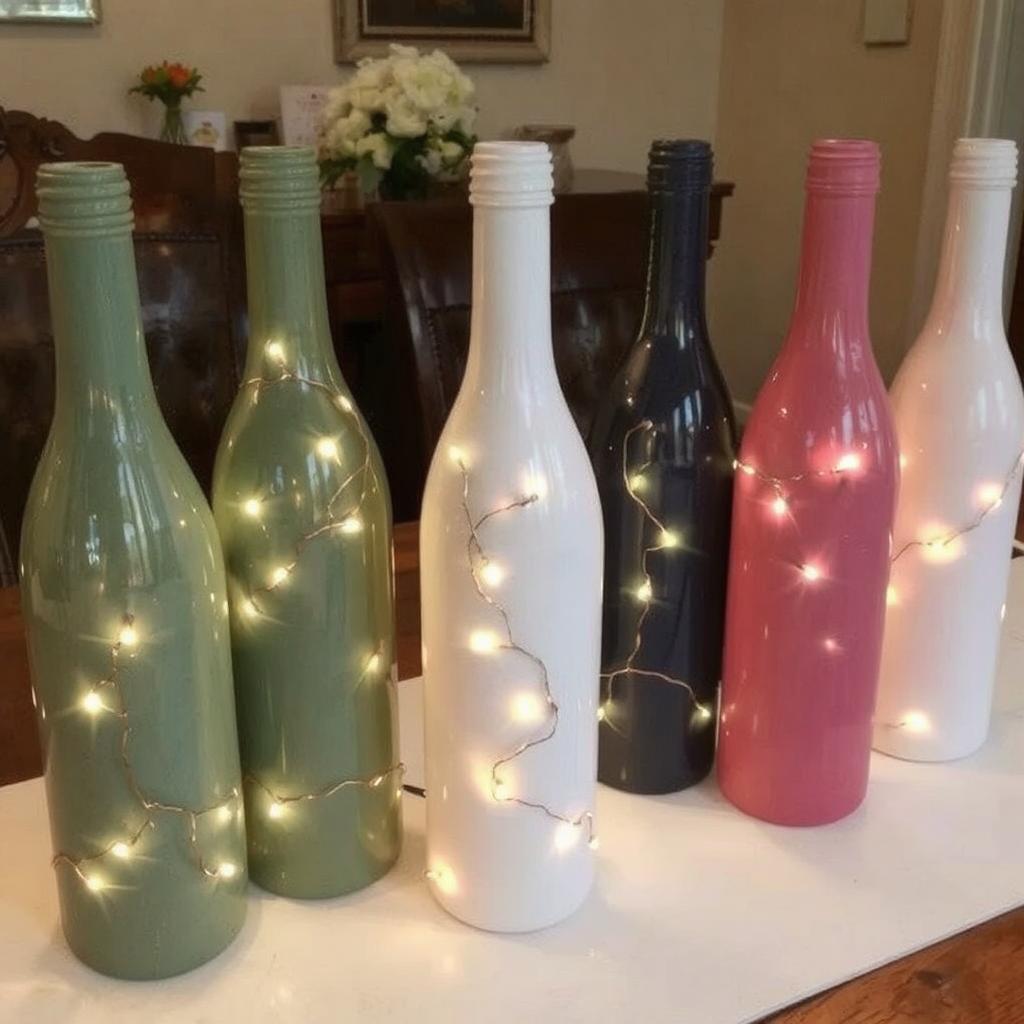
<point>302,505</point>
<point>125,606</point>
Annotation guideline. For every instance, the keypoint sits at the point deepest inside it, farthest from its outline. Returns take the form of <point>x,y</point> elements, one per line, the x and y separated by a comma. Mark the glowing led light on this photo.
<point>373,663</point>
<point>483,641</point>
<point>492,574</point>
<point>351,525</point>
<point>327,448</point>
<point>278,576</point>
<point>457,455</point>
<point>275,810</point>
<point>830,645</point>
<point>703,712</point>
<point>848,463</point>
<point>444,878</point>
<point>892,596</point>
<point>903,461</point>
<point>916,721</point>
<point>224,813</point>
<point>990,496</point>
<point>344,404</point>
<point>94,883</point>
<point>499,789</point>
<point>566,836</point>
<point>249,608</point>
<point>669,539</point>
<point>252,508</point>
<point>527,707</point>
<point>275,351</point>
<point>1002,613</point>
<point>780,506</point>
<point>602,714</point>
<point>594,843</point>
<point>643,592</point>
<point>127,637</point>
<point>810,572</point>
<point>227,870</point>
<point>744,467</point>
<point>536,486</point>
<point>637,483</point>
<point>92,702</point>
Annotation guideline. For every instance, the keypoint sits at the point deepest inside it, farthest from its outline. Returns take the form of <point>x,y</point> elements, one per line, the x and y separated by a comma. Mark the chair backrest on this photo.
<point>598,249</point>
<point>191,282</point>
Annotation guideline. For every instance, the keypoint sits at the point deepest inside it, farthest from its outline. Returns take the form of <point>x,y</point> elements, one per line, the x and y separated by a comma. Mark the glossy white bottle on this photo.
<point>511,567</point>
<point>959,415</point>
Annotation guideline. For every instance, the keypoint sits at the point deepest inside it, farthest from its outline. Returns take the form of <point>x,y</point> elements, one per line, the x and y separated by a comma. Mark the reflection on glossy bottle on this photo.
<point>125,607</point>
<point>302,505</point>
<point>812,514</point>
<point>663,447</point>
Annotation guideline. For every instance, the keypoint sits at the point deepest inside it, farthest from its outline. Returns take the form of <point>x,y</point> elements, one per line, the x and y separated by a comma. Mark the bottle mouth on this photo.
<point>279,179</point>
<point>844,167</point>
<point>984,163</point>
<point>84,199</point>
<point>510,174</point>
<point>674,164</point>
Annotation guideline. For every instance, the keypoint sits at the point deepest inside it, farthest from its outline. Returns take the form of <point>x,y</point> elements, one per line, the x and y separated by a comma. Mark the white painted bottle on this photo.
<point>959,414</point>
<point>511,556</point>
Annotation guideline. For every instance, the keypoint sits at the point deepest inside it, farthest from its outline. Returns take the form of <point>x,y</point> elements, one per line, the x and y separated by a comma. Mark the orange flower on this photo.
<point>149,75</point>
<point>179,75</point>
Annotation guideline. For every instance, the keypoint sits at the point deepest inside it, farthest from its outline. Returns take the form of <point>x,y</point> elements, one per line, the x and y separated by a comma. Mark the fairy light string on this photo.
<point>484,573</point>
<point>633,481</point>
<point>347,523</point>
<point>93,703</point>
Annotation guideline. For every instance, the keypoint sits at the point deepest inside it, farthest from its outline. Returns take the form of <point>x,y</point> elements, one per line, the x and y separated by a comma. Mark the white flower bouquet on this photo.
<point>401,122</point>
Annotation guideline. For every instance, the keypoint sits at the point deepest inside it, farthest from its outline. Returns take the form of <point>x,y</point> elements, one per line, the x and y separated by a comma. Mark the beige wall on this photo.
<point>622,72</point>
<point>792,72</point>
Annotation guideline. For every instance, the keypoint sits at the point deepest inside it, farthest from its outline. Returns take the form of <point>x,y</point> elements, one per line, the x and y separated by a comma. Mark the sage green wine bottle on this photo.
<point>302,505</point>
<point>125,606</point>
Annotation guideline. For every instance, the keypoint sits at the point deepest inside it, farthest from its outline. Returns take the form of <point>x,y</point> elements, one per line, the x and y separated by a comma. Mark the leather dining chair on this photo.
<point>191,283</point>
<point>598,255</point>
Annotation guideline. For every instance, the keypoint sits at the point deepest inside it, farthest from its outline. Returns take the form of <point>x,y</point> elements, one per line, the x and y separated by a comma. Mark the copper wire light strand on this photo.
<point>477,558</point>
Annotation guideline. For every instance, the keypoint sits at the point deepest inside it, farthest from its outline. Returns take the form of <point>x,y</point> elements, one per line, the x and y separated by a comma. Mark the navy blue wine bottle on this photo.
<point>663,445</point>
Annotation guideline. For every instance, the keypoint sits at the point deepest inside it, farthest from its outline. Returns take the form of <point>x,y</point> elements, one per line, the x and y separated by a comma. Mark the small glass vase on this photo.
<point>173,128</point>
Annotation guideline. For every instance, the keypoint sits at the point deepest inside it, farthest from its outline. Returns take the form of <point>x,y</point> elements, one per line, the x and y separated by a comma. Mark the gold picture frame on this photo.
<point>52,12</point>
<point>481,31</point>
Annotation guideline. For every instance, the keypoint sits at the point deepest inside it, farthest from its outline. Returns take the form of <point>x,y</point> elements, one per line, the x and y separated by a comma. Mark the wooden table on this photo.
<point>976,977</point>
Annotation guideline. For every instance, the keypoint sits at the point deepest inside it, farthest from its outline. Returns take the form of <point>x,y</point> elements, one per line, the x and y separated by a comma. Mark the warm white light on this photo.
<point>344,403</point>
<point>636,483</point>
<point>376,781</point>
<point>916,721</point>
<point>903,461</point>
<point>444,878</point>
<point>830,645</point>
<point>249,608</point>
<point>566,836</point>
<point>224,813</point>
<point>275,351</point>
<point>602,714</point>
<point>780,506</point>
<point>275,810</point>
<point>643,592</point>
<point>483,641</point>
<point>744,467</point>
<point>327,448</point>
<point>278,576</point>
<point>593,842</point>
<point>373,663</point>
<point>227,869</point>
<point>94,883</point>
<point>127,637</point>
<point>892,596</point>
<point>848,463</point>
<point>92,702</point>
<point>669,539</point>
<point>491,574</point>
<point>942,547</point>
<point>810,572</point>
<point>703,712</point>
<point>527,707</point>
<point>122,850</point>
<point>457,455</point>
<point>252,508</point>
<point>351,525</point>
<point>499,789</point>
<point>990,496</point>
<point>535,486</point>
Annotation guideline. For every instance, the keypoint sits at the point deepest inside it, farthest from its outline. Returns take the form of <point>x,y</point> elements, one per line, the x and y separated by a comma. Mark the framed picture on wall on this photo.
<point>495,31</point>
<point>51,11</point>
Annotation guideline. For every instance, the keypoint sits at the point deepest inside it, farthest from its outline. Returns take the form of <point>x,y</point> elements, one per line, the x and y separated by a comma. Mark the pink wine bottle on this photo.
<point>812,514</point>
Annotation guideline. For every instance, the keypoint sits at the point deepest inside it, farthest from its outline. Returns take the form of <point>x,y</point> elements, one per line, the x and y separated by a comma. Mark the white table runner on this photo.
<point>700,915</point>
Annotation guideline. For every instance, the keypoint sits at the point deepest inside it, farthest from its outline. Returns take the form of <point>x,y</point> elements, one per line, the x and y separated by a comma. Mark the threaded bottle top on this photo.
<point>279,179</point>
<point>674,164</point>
<point>844,167</point>
<point>510,174</point>
<point>84,199</point>
<point>984,163</point>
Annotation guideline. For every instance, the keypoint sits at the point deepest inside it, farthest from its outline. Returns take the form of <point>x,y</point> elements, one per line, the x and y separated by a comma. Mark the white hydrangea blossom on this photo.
<point>404,96</point>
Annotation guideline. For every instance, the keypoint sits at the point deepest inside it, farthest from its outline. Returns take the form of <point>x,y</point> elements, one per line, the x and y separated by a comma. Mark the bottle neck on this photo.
<point>97,325</point>
<point>677,255</point>
<point>510,322</point>
<point>970,278</point>
<point>288,321</point>
<point>835,260</point>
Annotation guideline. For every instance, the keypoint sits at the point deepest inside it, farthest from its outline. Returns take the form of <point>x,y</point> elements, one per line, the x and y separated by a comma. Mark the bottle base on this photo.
<point>925,753</point>
<point>650,787</point>
<point>278,883</point>
<point>809,813</point>
<point>510,926</point>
